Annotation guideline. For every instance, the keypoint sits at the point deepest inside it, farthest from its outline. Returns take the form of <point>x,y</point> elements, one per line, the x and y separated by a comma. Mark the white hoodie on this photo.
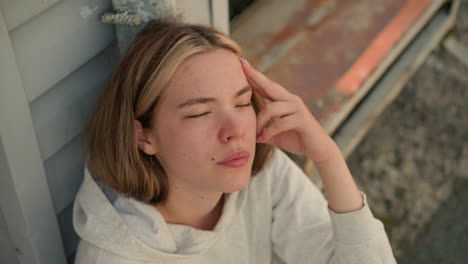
<point>279,216</point>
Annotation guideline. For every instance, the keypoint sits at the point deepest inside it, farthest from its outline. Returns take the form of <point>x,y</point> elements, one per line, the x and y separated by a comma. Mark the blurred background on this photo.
<point>414,160</point>
<point>387,79</point>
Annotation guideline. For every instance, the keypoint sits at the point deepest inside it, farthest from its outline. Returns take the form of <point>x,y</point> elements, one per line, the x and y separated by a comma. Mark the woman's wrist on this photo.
<point>342,193</point>
<point>327,152</point>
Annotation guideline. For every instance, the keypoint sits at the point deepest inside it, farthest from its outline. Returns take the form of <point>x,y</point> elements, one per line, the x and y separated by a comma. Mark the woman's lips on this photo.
<point>236,159</point>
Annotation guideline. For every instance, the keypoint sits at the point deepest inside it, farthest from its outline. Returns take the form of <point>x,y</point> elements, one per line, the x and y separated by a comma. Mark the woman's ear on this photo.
<point>146,141</point>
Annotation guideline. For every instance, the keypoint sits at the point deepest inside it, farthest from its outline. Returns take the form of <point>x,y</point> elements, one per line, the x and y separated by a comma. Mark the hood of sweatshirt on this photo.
<point>136,230</point>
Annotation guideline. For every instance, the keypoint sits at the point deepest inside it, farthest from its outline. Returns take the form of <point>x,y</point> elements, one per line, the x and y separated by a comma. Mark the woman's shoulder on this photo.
<point>282,179</point>
<point>278,167</point>
<point>279,162</point>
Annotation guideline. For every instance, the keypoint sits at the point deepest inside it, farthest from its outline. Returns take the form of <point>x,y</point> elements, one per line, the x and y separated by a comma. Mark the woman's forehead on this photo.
<point>218,71</point>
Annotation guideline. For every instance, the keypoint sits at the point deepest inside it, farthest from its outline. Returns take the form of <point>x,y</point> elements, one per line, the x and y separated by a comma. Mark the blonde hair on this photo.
<point>132,93</point>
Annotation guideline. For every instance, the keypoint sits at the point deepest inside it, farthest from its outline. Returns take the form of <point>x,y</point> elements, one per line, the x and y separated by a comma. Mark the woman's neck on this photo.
<point>195,210</point>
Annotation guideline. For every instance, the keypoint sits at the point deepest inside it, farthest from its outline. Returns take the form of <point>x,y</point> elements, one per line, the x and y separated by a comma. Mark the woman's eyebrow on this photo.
<point>204,100</point>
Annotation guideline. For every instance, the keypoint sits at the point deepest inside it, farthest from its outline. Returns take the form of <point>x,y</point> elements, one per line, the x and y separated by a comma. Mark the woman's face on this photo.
<point>204,117</point>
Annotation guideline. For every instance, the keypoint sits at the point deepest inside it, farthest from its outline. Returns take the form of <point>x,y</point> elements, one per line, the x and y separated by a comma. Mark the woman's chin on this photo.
<point>237,184</point>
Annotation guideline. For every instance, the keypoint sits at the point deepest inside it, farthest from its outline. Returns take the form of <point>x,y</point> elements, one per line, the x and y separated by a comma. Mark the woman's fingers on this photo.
<point>274,110</point>
<point>278,126</point>
<point>264,86</point>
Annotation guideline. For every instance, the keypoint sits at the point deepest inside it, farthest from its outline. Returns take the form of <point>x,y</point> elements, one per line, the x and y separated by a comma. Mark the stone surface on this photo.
<point>445,240</point>
<point>416,155</point>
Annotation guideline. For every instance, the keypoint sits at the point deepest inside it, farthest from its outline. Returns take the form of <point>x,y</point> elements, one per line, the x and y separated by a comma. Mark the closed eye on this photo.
<point>202,114</point>
<point>195,116</point>
<point>244,105</point>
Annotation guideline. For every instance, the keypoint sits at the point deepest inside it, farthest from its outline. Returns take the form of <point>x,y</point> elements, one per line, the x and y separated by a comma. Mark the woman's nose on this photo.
<point>232,128</point>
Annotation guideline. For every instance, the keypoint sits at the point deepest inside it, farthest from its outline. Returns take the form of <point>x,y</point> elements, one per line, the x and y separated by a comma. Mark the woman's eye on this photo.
<point>195,116</point>
<point>202,114</point>
<point>244,105</point>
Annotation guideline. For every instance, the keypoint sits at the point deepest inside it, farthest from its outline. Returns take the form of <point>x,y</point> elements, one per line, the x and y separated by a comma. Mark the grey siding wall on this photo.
<point>7,252</point>
<point>62,55</point>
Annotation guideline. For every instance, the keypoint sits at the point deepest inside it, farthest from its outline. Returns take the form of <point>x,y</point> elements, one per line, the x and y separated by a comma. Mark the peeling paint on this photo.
<point>86,11</point>
<point>312,46</point>
<point>321,13</point>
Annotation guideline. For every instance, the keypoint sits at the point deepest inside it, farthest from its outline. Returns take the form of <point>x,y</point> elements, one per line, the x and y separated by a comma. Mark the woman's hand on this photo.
<point>286,122</point>
<point>294,129</point>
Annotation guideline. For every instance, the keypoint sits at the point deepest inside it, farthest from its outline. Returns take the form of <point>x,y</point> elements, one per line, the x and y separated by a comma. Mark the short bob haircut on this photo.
<point>132,93</point>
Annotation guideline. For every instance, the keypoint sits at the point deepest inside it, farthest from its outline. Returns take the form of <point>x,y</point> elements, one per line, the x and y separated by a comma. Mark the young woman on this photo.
<point>183,165</point>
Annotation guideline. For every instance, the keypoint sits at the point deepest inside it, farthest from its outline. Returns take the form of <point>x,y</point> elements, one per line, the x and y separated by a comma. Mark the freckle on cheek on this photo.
<point>186,69</point>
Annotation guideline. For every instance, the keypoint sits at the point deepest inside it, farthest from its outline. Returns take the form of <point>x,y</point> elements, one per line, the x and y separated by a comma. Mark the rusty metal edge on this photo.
<point>386,90</point>
<point>334,122</point>
<point>359,122</point>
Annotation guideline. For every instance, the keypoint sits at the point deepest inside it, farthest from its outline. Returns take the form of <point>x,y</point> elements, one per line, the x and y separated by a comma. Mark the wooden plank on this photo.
<point>24,195</point>
<point>59,114</point>
<point>255,29</point>
<point>220,15</point>
<point>309,47</point>
<point>354,128</point>
<point>381,46</point>
<point>58,41</point>
<point>387,89</point>
<point>64,181</point>
<point>334,122</point>
<point>7,251</point>
<point>18,12</point>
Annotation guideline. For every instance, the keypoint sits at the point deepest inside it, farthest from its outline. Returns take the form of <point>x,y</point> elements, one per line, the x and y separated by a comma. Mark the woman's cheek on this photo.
<point>200,129</point>
<point>252,127</point>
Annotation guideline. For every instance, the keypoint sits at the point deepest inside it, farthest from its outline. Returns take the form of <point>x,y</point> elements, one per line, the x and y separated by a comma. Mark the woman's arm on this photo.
<point>342,193</point>
<point>296,130</point>
<point>303,231</point>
